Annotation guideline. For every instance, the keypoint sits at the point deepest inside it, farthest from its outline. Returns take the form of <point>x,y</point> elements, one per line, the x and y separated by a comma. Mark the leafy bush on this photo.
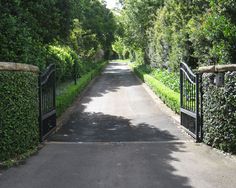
<point>168,96</point>
<point>199,32</point>
<point>19,129</point>
<point>214,39</point>
<point>169,79</point>
<point>64,99</point>
<point>220,113</point>
<point>64,58</point>
<point>67,62</point>
<point>25,33</point>
<point>28,27</point>
<point>17,43</point>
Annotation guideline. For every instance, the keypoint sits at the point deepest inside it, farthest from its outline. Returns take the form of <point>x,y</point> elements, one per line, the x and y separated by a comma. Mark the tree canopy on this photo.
<point>29,27</point>
<point>164,33</point>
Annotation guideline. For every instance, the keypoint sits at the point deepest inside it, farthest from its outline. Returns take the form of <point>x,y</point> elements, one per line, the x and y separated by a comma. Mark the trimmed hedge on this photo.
<point>170,79</point>
<point>19,132</point>
<point>220,113</point>
<point>65,99</point>
<point>167,95</point>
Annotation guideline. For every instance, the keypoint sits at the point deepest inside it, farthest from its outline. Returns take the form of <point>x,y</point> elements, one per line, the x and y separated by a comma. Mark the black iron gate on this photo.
<point>190,101</point>
<point>47,102</point>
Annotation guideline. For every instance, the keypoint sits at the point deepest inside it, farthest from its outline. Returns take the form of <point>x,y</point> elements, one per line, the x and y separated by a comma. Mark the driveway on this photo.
<point>118,136</point>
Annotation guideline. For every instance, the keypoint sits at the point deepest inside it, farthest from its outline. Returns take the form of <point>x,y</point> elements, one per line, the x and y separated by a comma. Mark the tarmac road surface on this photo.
<point>117,136</point>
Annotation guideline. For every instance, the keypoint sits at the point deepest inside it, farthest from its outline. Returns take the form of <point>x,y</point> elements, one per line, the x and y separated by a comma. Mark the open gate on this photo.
<point>47,102</point>
<point>190,101</point>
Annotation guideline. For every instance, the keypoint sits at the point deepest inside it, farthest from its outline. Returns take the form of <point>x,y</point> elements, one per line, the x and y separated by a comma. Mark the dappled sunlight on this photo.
<point>99,127</point>
<point>149,151</point>
<point>117,115</point>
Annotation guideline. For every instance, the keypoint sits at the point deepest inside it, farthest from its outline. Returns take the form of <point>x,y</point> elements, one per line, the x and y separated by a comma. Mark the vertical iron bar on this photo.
<point>184,91</point>
<point>54,88</point>
<point>40,109</point>
<point>187,83</point>
<point>197,124</point>
<point>181,88</point>
<point>181,95</point>
<point>192,95</point>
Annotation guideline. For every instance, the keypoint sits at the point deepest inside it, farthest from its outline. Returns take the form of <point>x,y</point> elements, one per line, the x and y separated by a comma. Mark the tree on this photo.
<point>137,18</point>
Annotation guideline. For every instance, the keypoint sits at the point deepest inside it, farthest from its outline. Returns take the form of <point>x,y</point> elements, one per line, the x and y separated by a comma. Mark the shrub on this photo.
<point>64,58</point>
<point>67,62</point>
<point>220,113</point>
<point>17,43</point>
<point>19,129</point>
<point>170,79</point>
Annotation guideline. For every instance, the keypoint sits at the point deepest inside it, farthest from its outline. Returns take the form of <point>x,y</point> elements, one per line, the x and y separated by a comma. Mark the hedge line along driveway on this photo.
<point>117,136</point>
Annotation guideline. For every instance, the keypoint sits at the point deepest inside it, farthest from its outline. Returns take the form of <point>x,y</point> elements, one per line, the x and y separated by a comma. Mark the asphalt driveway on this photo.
<point>117,136</point>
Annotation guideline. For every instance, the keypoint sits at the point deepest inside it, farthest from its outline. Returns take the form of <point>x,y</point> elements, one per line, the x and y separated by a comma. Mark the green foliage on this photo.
<point>19,130</point>
<point>118,47</point>
<point>170,43</point>
<point>214,40</point>
<point>67,62</point>
<point>17,43</point>
<point>220,113</point>
<point>24,31</point>
<point>65,99</point>
<point>169,79</point>
<point>167,95</point>
<point>98,22</point>
<point>197,32</point>
<point>136,18</point>
<point>64,58</point>
<point>28,27</point>
<point>84,42</point>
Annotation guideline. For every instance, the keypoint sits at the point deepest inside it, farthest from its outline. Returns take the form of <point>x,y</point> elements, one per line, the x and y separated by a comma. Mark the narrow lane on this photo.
<point>118,137</point>
<point>117,108</point>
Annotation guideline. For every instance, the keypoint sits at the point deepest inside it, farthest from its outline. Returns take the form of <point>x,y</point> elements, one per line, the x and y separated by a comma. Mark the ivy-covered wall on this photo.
<point>219,107</point>
<point>19,130</point>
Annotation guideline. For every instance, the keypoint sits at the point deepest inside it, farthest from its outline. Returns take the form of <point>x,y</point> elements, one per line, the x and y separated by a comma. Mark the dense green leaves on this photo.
<point>198,32</point>
<point>137,17</point>
<point>28,27</point>
<point>19,130</point>
<point>220,113</point>
<point>65,59</point>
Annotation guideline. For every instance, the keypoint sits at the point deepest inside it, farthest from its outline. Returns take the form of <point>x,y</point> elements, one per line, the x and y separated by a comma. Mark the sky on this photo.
<point>111,3</point>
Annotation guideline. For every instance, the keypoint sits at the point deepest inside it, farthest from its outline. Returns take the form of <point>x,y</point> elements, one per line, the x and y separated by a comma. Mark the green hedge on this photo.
<point>220,113</point>
<point>167,95</point>
<point>19,130</point>
<point>170,79</point>
<point>65,99</point>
